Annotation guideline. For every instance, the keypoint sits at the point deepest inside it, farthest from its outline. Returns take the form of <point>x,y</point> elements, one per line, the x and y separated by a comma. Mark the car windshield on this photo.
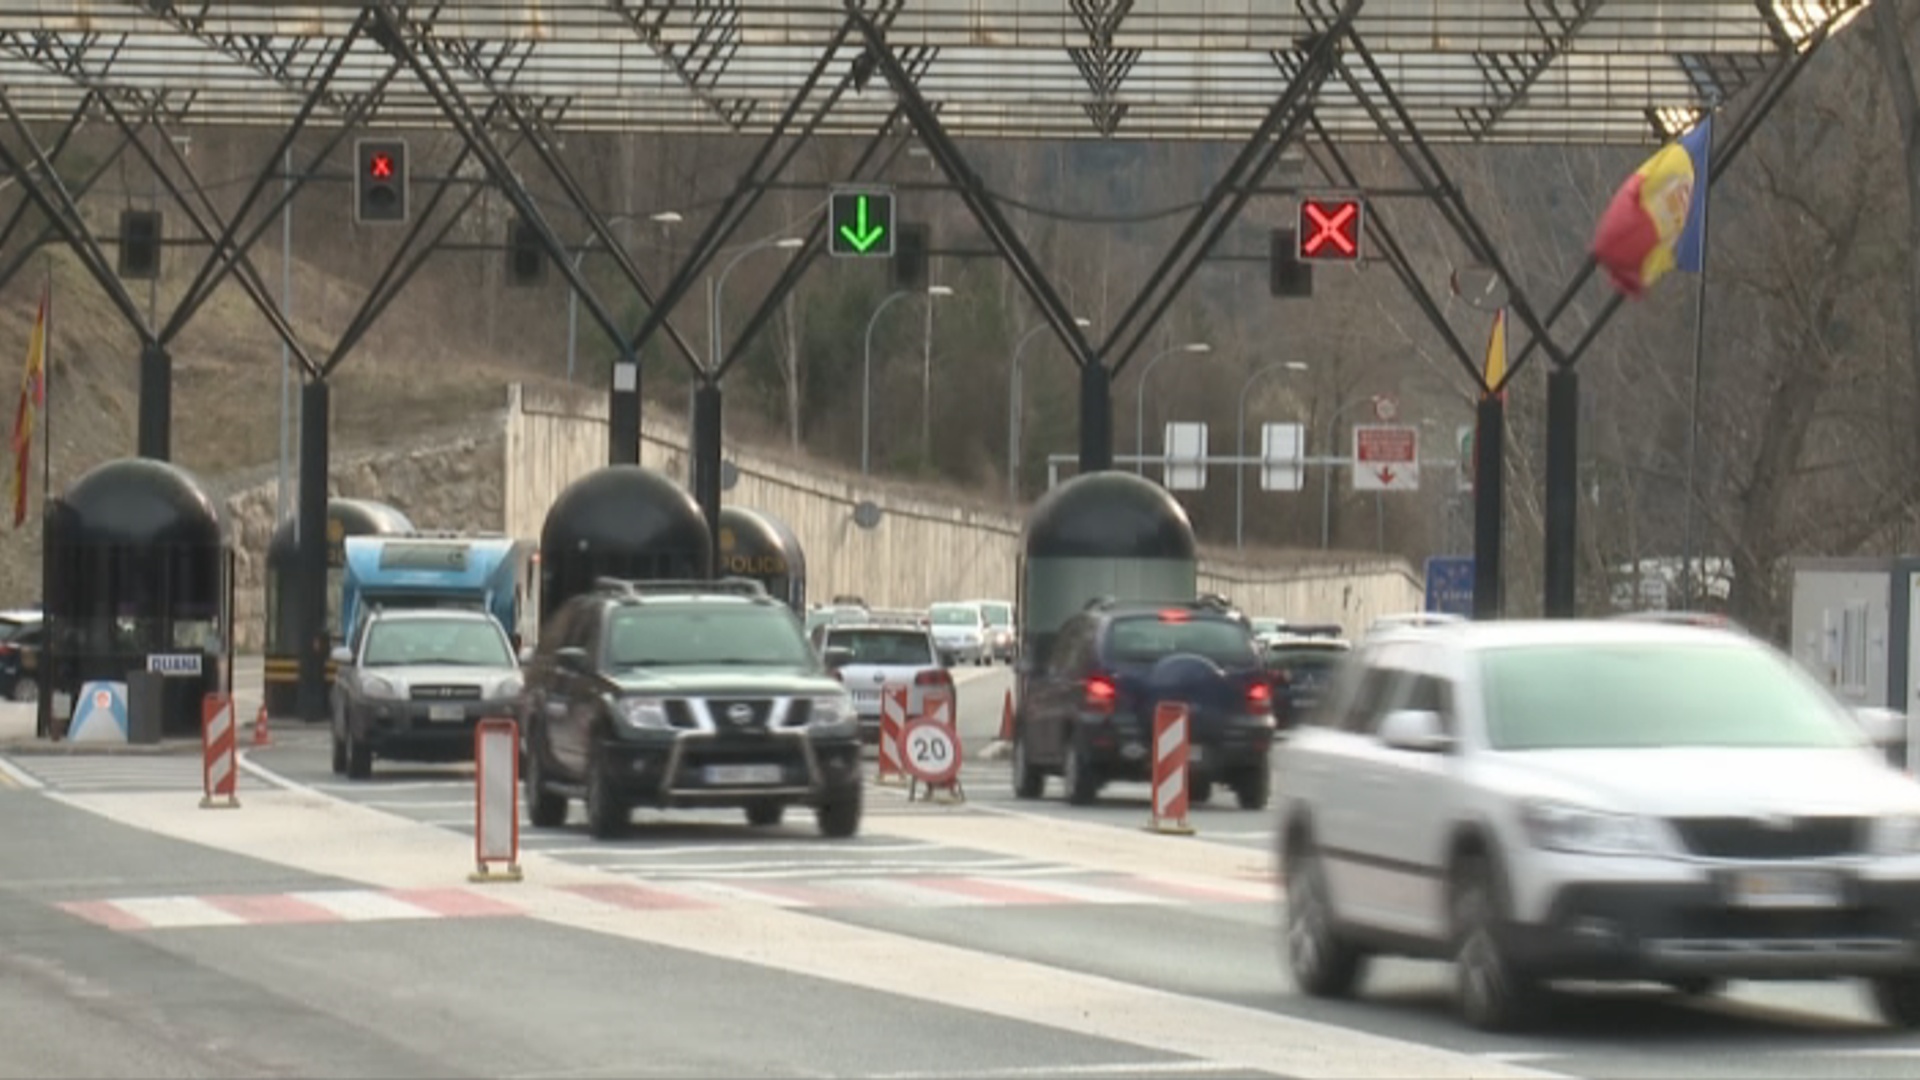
<point>752,636</point>
<point>10,629</point>
<point>1147,638</point>
<point>895,647</point>
<point>955,615</point>
<point>998,615</point>
<point>1642,695</point>
<point>1305,660</point>
<point>467,642</point>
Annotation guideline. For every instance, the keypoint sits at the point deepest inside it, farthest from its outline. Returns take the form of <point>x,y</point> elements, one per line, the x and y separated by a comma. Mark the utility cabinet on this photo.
<point>1856,628</point>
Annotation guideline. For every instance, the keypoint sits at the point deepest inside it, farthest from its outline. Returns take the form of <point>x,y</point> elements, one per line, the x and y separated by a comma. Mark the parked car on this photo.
<point>1594,800</point>
<point>867,657</point>
<point>686,693</point>
<point>414,682</point>
<point>960,630</point>
<point>1088,715</point>
<point>22,633</point>
<point>1003,642</point>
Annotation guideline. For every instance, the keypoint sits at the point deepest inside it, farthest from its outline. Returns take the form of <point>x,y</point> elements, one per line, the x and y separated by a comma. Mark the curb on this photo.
<point>40,748</point>
<point>997,750</point>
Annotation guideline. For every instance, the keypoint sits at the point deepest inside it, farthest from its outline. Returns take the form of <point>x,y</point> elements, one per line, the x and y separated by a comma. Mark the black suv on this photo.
<point>1086,712</point>
<point>679,693</point>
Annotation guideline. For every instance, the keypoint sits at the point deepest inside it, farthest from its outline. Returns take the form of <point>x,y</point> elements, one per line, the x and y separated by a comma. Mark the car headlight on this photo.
<point>375,686</point>
<point>1580,830</point>
<point>832,716</point>
<point>642,713</point>
<point>508,687</point>
<point>1897,835</point>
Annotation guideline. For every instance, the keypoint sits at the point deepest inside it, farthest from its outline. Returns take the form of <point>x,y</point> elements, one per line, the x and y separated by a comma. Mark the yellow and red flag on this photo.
<point>1656,220</point>
<point>33,394</point>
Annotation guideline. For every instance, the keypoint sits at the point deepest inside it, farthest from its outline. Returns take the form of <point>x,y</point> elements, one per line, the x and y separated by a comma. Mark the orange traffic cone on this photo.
<point>261,737</point>
<point>1006,719</point>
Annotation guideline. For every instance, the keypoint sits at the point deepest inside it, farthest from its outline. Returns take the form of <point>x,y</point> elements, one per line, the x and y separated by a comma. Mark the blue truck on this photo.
<point>489,573</point>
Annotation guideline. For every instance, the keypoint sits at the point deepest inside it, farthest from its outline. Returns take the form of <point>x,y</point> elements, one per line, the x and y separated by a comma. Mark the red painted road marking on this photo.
<point>635,897</point>
<point>266,910</point>
<point>456,903</point>
<point>103,912</point>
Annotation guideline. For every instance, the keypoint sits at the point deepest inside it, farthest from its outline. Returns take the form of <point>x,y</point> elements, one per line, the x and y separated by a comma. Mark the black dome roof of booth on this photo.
<point>1109,515</point>
<point>357,517</point>
<point>623,510</point>
<point>137,502</point>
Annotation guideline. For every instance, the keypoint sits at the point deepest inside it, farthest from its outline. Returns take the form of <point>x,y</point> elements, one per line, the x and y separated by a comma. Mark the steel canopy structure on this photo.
<point>511,78</point>
<point>1562,71</point>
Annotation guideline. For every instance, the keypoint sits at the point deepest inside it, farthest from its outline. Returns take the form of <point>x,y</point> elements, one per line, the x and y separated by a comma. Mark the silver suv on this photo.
<point>865,658</point>
<point>413,684</point>
<point>1597,801</point>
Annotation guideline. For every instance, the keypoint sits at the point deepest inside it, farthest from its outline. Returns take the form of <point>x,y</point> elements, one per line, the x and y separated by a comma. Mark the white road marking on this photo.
<point>20,777</point>
<point>363,905</point>
<point>1019,1072</point>
<point>162,912</point>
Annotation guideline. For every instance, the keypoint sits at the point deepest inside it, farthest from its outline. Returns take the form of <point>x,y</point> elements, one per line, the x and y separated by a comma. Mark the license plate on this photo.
<point>866,697</point>
<point>743,774</point>
<point>446,712</point>
<point>1785,889</point>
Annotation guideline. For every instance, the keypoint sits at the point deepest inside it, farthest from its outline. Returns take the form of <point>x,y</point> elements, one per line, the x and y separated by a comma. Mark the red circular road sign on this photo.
<point>930,751</point>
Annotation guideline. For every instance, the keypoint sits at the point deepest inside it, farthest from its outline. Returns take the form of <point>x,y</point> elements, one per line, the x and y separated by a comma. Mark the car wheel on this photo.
<point>839,817</point>
<point>545,809</point>
<point>1081,781</point>
<point>1029,780</point>
<point>1489,992</point>
<point>607,816</point>
<point>359,756</point>
<point>1254,788</point>
<point>765,813</point>
<point>1897,999</point>
<point>1322,964</point>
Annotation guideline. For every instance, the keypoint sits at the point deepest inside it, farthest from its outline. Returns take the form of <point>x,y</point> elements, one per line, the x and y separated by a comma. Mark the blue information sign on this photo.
<point>1450,585</point>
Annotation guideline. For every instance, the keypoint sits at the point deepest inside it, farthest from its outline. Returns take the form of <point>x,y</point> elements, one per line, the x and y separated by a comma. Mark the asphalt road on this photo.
<point>998,938</point>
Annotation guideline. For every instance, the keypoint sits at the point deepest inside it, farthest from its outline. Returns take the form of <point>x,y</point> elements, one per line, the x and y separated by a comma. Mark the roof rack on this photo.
<point>728,586</point>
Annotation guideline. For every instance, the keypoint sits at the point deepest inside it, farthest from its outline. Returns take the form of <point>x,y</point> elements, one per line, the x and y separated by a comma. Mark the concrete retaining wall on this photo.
<point>923,550</point>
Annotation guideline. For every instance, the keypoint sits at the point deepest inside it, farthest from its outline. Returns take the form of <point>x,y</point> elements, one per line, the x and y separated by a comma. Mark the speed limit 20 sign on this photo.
<point>930,752</point>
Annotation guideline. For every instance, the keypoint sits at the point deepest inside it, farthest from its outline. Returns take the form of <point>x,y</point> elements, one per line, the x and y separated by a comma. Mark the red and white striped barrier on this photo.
<point>893,722</point>
<point>219,774</point>
<point>496,799</point>
<point>1171,733</point>
<point>937,704</point>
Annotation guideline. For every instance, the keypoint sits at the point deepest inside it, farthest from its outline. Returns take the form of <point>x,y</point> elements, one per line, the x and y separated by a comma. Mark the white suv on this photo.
<point>1597,801</point>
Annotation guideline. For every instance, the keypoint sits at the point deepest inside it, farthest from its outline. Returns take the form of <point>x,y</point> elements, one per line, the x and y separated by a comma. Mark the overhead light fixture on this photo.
<point>1799,21</point>
<point>1672,121</point>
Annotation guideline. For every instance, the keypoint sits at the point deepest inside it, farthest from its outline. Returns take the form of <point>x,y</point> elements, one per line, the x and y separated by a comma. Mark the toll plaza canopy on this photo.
<point>1559,71</point>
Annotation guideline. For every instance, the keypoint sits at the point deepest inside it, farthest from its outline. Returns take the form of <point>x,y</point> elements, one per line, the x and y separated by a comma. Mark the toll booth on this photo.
<point>623,521</point>
<point>139,578</point>
<point>759,546</point>
<point>345,518</point>
<point>1103,534</point>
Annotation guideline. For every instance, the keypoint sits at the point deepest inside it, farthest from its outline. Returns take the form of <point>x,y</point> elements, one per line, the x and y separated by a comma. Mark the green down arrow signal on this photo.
<point>862,235</point>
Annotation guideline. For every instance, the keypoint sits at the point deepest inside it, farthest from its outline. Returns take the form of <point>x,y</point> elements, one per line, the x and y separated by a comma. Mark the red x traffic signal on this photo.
<point>1330,228</point>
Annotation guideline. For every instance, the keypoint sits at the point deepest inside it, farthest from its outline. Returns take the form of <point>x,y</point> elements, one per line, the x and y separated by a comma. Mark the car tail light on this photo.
<point>1259,699</point>
<point>1100,694</point>
<point>935,677</point>
<point>1174,615</point>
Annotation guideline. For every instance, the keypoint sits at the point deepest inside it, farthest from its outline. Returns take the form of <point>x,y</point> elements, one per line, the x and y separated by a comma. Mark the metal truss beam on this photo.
<point>699,63</point>
<point>59,147</point>
<point>12,267</point>
<point>1104,67</point>
<point>1222,205</point>
<point>63,210</point>
<point>1513,75</point>
<point>750,187</point>
<point>274,59</point>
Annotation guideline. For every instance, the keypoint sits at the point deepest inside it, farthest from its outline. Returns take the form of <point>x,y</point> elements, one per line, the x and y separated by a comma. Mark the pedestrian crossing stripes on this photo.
<point>113,772</point>
<point>145,913</point>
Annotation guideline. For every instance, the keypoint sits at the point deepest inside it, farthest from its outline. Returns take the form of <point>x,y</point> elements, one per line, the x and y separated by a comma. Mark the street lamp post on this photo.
<point>1240,450</point>
<point>664,217</point>
<point>1013,407</point>
<point>1140,401</point>
<point>866,372</point>
<point>716,287</point>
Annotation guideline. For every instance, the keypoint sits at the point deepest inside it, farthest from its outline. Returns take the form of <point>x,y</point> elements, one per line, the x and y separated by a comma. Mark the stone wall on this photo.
<point>924,549</point>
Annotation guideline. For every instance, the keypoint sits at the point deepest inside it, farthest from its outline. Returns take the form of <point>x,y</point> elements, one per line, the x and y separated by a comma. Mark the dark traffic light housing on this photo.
<point>140,235</point>
<point>526,255</point>
<point>380,181</point>
<point>1288,277</point>
<point>910,256</point>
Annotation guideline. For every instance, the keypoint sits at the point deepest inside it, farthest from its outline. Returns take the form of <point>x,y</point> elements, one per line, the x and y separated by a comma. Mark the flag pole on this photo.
<point>1687,585</point>
<point>46,394</point>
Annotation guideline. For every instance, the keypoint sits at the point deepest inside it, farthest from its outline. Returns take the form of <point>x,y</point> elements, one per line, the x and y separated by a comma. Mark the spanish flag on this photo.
<point>1496,367</point>
<point>1657,219</point>
<point>33,394</point>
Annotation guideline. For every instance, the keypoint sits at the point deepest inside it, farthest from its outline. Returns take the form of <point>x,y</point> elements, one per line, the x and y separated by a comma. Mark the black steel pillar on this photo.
<point>156,401</point>
<point>1096,418</point>
<point>1489,495</point>
<point>310,574</point>
<point>1563,493</point>
<point>706,463</point>
<point>623,413</point>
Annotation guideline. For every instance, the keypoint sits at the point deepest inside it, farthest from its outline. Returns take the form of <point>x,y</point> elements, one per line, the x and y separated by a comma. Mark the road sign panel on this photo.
<point>860,222</point>
<point>1386,457</point>
<point>1282,449</point>
<point>1186,457</point>
<point>1463,445</point>
<point>1450,585</point>
<point>1330,227</point>
<point>1385,409</point>
<point>932,754</point>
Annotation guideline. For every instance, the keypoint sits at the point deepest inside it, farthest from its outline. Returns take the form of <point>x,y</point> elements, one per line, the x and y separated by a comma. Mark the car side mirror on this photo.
<point>1415,729</point>
<point>837,657</point>
<point>341,655</point>
<point>572,658</point>
<point>1883,727</point>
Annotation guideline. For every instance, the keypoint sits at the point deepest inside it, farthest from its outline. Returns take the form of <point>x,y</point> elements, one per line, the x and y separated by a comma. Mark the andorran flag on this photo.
<point>1655,220</point>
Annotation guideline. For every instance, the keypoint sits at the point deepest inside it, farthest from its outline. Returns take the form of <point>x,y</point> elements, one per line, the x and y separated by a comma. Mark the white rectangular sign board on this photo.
<point>1386,457</point>
<point>1186,450</point>
<point>1281,454</point>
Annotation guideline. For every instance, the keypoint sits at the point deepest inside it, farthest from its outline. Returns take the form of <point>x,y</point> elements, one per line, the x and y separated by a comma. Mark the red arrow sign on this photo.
<point>1385,474</point>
